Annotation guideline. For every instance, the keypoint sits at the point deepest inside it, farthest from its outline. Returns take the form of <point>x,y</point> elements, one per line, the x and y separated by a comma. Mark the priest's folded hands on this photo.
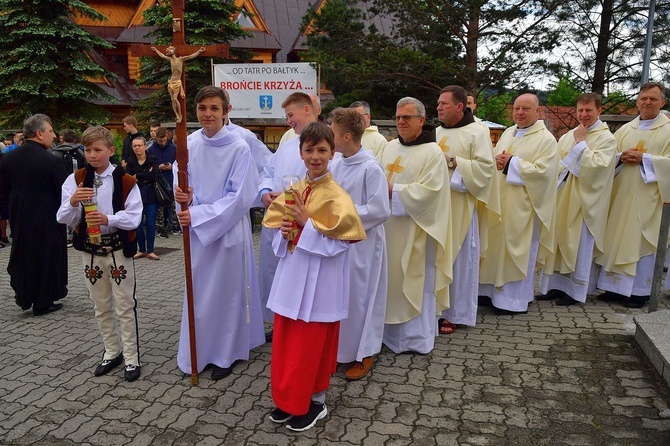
<point>631,156</point>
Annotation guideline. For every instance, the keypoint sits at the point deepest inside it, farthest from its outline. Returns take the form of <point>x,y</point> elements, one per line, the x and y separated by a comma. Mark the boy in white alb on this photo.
<point>359,173</point>
<point>310,291</point>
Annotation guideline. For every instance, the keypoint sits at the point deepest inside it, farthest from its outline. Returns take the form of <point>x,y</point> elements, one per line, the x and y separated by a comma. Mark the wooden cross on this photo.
<point>395,167</point>
<point>181,49</point>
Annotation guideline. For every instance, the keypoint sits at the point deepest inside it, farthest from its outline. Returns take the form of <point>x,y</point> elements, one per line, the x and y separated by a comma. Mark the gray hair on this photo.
<point>35,123</point>
<point>365,105</point>
<point>420,108</point>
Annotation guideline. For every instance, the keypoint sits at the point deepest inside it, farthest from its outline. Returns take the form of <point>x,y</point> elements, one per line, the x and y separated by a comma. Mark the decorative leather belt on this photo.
<point>110,242</point>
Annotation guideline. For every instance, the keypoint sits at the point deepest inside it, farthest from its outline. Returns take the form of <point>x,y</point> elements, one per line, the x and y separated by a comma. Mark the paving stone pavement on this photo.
<point>556,376</point>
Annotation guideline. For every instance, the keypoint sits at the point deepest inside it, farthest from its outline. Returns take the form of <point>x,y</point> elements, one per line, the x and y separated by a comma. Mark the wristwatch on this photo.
<point>450,163</point>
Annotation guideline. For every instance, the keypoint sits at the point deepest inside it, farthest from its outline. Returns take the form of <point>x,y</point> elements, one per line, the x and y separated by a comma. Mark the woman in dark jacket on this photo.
<point>144,167</point>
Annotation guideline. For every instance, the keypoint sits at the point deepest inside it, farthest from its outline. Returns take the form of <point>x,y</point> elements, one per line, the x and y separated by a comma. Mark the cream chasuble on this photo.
<point>583,197</point>
<point>472,148</point>
<point>419,175</point>
<point>373,140</point>
<point>509,240</point>
<point>636,205</point>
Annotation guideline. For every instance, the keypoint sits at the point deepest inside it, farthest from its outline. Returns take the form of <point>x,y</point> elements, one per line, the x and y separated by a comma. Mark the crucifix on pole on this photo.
<point>176,88</point>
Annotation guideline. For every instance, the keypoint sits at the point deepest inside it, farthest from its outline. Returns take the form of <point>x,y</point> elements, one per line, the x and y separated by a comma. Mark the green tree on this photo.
<point>207,22</point>
<point>563,92</point>
<point>494,108</point>
<point>46,66</point>
<point>360,63</point>
<point>493,44</point>
<point>426,44</point>
<point>604,42</point>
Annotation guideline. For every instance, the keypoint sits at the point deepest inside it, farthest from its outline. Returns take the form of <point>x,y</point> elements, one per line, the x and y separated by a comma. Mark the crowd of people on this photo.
<point>365,242</point>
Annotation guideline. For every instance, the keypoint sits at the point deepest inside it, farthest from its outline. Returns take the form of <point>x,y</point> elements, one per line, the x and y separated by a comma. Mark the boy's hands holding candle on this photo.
<point>298,212</point>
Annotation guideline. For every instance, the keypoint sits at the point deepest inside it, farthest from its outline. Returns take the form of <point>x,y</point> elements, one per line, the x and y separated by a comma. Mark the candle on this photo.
<point>94,234</point>
<point>289,182</point>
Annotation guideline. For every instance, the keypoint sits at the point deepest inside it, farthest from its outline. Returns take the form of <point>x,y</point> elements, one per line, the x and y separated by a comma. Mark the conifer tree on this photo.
<point>45,65</point>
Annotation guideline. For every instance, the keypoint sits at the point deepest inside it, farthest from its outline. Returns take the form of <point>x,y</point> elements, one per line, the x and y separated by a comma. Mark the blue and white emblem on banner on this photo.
<point>265,101</point>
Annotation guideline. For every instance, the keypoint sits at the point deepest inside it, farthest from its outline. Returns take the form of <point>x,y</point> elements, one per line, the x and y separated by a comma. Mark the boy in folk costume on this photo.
<point>108,265</point>
<point>310,291</point>
<point>359,173</point>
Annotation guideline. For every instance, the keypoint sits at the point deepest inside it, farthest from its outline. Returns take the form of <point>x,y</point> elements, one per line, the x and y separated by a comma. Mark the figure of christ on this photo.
<point>175,86</point>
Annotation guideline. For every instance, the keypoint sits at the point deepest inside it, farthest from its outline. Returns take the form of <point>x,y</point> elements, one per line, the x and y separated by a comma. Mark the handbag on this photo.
<point>164,194</point>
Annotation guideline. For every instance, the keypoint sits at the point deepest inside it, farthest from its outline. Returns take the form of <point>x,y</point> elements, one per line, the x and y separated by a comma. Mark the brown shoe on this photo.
<point>139,255</point>
<point>359,369</point>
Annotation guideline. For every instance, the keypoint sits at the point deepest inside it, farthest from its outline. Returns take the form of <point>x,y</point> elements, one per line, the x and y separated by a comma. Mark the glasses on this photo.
<point>405,117</point>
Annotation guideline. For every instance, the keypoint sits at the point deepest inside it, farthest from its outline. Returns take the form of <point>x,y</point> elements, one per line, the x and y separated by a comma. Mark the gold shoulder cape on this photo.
<point>328,206</point>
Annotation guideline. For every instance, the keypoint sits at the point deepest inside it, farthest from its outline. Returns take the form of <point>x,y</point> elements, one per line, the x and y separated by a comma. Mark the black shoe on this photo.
<point>304,422</point>
<point>50,309</point>
<point>636,301</point>
<point>107,365</point>
<point>268,336</point>
<point>609,296</point>
<point>551,295</point>
<point>484,301</point>
<point>221,372</point>
<point>501,312</point>
<point>566,300</point>
<point>279,416</point>
<point>24,306</point>
<point>5,240</point>
<point>162,234</point>
<point>132,372</point>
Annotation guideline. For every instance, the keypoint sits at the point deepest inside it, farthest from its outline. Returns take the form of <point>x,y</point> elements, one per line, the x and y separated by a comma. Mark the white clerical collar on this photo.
<point>594,125</point>
<point>518,133</point>
<point>645,124</point>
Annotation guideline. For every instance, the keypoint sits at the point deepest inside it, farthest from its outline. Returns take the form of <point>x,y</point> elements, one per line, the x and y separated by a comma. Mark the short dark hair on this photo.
<point>130,119</point>
<point>212,92</point>
<point>161,132</point>
<point>315,132</point>
<point>68,135</point>
<point>585,98</point>
<point>458,94</point>
<point>350,121</point>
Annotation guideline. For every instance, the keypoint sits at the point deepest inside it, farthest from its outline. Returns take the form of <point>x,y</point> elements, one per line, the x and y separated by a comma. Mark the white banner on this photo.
<point>258,90</point>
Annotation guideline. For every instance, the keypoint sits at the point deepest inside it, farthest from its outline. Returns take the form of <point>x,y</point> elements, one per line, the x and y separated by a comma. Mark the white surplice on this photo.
<point>312,282</point>
<point>285,161</point>
<point>228,316</point>
<point>361,332</point>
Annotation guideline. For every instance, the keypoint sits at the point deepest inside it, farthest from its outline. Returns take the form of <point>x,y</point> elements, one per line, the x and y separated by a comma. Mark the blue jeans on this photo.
<point>168,224</point>
<point>146,243</point>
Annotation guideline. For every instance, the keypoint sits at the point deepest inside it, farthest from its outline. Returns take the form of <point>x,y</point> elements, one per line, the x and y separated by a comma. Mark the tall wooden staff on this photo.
<point>176,88</point>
